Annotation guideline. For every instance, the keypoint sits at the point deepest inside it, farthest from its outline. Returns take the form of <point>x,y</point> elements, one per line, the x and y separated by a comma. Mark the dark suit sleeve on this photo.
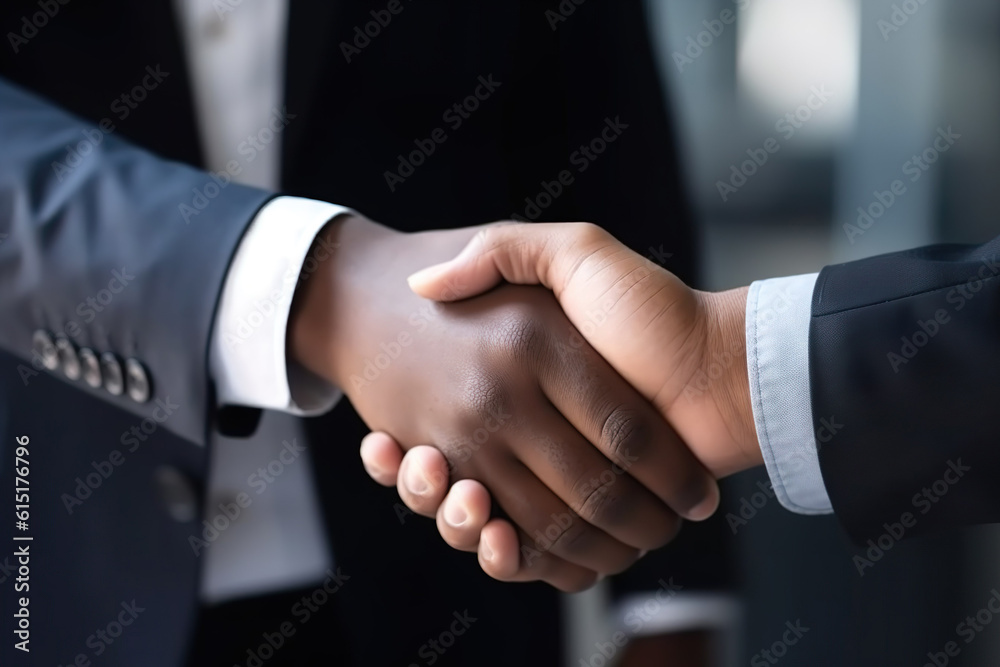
<point>902,352</point>
<point>100,249</point>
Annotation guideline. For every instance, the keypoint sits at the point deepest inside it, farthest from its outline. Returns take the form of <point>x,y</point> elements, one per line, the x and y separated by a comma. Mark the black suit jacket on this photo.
<point>121,207</point>
<point>901,351</point>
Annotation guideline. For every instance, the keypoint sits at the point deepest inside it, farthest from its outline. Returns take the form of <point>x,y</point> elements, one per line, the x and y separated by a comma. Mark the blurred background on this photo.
<point>886,80</point>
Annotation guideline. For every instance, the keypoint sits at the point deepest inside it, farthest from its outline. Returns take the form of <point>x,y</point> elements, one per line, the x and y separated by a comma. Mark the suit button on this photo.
<point>114,381</point>
<point>68,359</point>
<point>45,350</point>
<point>176,493</point>
<point>136,381</point>
<point>91,367</point>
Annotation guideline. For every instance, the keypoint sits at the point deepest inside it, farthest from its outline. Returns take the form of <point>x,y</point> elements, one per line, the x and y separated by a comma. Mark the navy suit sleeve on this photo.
<point>100,249</point>
<point>902,352</point>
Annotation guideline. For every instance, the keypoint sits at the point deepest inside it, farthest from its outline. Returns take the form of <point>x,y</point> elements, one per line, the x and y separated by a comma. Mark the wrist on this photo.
<point>320,312</point>
<point>725,314</point>
<point>357,298</point>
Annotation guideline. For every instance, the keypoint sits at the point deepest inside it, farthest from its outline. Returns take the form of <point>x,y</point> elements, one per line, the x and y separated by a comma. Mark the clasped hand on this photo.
<point>574,396</point>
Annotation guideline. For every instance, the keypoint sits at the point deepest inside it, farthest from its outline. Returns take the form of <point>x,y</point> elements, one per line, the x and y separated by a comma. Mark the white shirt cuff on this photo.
<point>777,330</point>
<point>248,352</point>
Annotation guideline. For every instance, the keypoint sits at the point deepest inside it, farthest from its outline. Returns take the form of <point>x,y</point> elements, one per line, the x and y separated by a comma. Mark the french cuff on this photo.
<point>777,331</point>
<point>248,352</point>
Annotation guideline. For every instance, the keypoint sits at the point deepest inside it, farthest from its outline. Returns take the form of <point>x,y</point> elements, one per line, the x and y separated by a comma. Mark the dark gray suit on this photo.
<point>903,349</point>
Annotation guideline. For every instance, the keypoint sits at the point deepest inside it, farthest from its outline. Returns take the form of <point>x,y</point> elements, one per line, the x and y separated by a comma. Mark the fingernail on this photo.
<point>416,482</point>
<point>643,553</point>
<point>484,546</point>
<point>426,275</point>
<point>455,514</point>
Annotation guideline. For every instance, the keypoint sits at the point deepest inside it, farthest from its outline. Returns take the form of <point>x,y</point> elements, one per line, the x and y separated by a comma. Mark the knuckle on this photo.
<point>484,405</point>
<point>488,403</point>
<point>588,232</point>
<point>574,539</point>
<point>601,503</point>
<point>521,336</point>
<point>484,238</point>
<point>625,435</point>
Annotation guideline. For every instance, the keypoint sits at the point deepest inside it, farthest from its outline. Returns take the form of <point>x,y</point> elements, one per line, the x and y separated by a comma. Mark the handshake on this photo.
<point>546,368</point>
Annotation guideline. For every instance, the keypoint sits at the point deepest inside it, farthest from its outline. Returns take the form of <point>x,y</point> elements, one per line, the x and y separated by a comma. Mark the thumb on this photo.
<point>523,254</point>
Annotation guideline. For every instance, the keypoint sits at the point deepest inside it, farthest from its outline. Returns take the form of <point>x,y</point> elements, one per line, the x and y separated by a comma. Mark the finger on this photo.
<point>423,480</point>
<point>550,526</point>
<point>525,254</point>
<point>381,456</point>
<point>462,515</point>
<point>595,489</point>
<point>501,557</point>
<point>626,428</point>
